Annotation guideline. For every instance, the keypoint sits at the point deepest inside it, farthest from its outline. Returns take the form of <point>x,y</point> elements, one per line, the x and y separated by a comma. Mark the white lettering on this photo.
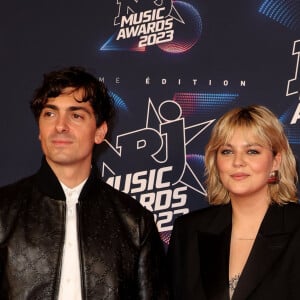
<point>296,115</point>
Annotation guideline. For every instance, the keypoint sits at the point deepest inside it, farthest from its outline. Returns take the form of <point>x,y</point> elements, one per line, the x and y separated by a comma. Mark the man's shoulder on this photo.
<point>11,199</point>
<point>123,201</point>
<point>17,187</point>
<point>127,210</point>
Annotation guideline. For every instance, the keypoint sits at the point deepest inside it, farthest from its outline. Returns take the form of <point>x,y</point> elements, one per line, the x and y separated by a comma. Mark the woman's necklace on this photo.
<point>245,239</point>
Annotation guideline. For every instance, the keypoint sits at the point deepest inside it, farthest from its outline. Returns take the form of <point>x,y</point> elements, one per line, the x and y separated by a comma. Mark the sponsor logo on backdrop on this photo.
<point>161,144</point>
<point>187,82</point>
<point>173,26</point>
<point>293,85</point>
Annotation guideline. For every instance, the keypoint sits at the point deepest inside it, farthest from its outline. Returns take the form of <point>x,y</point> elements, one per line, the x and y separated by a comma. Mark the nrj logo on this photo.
<point>151,163</point>
<point>174,26</point>
<point>293,86</point>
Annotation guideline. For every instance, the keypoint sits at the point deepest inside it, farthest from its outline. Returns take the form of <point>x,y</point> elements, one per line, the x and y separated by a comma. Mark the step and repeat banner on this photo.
<point>172,67</point>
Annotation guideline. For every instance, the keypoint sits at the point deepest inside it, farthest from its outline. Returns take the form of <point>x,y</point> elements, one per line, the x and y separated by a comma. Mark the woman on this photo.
<point>246,244</point>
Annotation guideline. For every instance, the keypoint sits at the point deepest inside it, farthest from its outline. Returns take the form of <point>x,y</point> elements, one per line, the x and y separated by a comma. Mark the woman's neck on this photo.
<point>247,217</point>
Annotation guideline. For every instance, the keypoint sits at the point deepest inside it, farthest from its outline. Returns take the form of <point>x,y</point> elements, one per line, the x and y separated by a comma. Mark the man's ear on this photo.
<point>100,133</point>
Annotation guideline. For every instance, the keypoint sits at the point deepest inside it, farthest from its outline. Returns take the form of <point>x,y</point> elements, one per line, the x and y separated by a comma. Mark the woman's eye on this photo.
<point>253,151</point>
<point>226,151</point>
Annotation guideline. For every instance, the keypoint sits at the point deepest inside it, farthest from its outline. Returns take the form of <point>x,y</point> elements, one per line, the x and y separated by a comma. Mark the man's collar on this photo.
<point>49,184</point>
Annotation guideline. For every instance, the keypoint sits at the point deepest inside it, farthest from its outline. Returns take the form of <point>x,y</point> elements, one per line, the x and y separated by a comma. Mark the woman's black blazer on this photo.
<point>198,256</point>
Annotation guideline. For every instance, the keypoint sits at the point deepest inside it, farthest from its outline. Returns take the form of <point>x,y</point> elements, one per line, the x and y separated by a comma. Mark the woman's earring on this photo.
<point>274,177</point>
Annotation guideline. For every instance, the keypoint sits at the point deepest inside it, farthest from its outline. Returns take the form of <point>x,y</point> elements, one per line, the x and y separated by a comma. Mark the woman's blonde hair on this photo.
<point>266,126</point>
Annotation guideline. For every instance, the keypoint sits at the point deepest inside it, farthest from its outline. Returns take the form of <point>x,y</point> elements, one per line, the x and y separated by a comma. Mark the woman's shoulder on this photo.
<point>290,208</point>
<point>292,211</point>
<point>204,216</point>
<point>289,213</point>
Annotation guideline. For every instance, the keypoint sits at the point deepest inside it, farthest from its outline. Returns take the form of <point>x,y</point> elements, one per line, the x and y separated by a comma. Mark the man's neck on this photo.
<point>71,176</point>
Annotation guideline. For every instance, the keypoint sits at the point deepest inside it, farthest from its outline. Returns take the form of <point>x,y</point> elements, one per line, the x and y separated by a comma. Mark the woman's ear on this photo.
<point>277,161</point>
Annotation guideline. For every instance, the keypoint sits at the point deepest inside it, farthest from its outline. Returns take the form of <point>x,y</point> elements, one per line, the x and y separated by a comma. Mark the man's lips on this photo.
<point>62,142</point>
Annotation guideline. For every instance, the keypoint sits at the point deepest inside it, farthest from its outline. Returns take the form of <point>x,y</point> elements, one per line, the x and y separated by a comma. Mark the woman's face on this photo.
<point>244,165</point>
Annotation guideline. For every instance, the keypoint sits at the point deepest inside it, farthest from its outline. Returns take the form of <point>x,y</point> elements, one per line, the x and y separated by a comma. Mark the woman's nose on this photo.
<point>239,160</point>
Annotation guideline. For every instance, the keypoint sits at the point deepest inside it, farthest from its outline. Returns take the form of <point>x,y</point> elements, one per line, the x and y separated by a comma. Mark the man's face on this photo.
<point>67,130</point>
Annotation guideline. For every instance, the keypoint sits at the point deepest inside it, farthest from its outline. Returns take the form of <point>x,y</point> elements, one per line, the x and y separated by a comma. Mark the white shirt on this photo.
<point>70,283</point>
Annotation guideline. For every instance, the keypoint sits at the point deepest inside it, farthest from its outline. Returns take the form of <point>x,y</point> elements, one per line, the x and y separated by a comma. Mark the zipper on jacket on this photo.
<point>61,251</point>
<point>78,214</point>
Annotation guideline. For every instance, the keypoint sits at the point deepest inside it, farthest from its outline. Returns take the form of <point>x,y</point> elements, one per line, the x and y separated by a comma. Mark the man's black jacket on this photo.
<point>121,253</point>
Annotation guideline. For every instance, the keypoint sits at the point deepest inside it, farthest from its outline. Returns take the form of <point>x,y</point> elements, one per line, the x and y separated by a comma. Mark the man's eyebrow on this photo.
<point>76,108</point>
<point>71,108</point>
<point>50,106</point>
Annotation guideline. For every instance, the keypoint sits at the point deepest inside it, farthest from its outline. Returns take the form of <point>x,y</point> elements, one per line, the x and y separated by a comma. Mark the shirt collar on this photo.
<point>76,190</point>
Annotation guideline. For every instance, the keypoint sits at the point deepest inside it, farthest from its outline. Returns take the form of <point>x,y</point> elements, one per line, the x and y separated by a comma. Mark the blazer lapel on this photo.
<point>214,247</point>
<point>268,246</point>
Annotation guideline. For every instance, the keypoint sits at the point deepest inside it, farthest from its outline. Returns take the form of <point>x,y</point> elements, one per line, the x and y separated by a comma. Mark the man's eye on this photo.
<point>77,116</point>
<point>48,114</point>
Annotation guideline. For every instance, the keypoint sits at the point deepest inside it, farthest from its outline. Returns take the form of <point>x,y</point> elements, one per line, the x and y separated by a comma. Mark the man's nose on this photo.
<point>62,124</point>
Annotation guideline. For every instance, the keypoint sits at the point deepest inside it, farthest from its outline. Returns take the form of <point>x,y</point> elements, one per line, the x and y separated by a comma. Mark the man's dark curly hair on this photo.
<point>95,92</point>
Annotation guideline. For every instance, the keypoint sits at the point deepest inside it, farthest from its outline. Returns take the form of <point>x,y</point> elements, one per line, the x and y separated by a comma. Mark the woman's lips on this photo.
<point>239,176</point>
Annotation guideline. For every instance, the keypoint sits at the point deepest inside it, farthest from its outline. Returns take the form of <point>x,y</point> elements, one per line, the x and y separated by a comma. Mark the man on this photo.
<point>65,234</point>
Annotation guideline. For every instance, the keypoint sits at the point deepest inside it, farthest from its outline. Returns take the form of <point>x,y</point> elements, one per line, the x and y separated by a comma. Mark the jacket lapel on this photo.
<point>268,246</point>
<point>48,183</point>
<point>214,245</point>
